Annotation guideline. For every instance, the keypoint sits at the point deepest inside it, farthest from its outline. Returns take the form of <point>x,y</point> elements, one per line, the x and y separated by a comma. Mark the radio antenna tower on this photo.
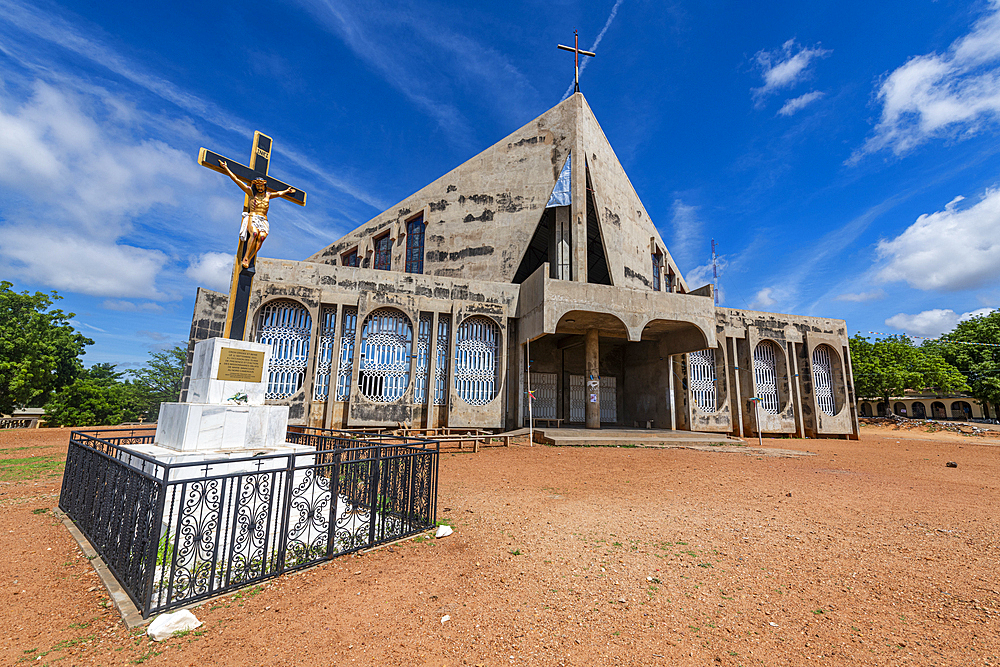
<point>715,275</point>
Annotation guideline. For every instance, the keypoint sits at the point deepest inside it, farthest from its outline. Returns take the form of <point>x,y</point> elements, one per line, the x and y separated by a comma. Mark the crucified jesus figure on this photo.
<point>255,219</point>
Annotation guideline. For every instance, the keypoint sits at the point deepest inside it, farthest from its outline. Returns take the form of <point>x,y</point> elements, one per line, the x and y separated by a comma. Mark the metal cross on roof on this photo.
<point>577,52</point>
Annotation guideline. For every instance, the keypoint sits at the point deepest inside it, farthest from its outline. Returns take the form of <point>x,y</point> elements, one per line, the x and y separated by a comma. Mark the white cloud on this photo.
<point>213,270</point>
<point>953,249</point>
<point>932,323</point>
<point>85,42</point>
<point>75,263</point>
<point>687,231</point>
<point>798,103</point>
<point>956,93</point>
<point>765,298</point>
<point>861,297</point>
<point>702,275</point>
<point>784,67</point>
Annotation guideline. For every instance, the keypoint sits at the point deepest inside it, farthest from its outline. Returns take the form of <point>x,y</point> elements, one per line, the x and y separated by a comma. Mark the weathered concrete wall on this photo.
<point>480,216</point>
<point>317,285</point>
<point>546,305</point>
<point>796,337</point>
<point>208,321</point>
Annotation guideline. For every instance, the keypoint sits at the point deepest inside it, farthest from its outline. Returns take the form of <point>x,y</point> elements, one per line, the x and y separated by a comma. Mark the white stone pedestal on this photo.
<point>223,416</point>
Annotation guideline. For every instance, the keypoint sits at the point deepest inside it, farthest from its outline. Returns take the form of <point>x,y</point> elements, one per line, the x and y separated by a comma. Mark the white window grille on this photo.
<point>609,399</point>
<point>285,326</point>
<point>477,360</point>
<point>577,405</point>
<point>823,380</point>
<point>765,376</point>
<point>345,365</point>
<point>324,356</point>
<point>441,362</point>
<point>423,358</point>
<point>543,386</point>
<point>386,344</point>
<point>702,379</point>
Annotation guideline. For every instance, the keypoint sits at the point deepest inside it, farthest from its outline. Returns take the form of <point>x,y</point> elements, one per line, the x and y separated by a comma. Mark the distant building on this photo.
<point>957,407</point>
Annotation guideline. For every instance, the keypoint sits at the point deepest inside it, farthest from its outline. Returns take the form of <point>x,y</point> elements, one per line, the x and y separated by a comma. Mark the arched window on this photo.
<point>899,409</point>
<point>823,379</point>
<point>961,410</point>
<point>702,379</point>
<point>285,326</point>
<point>477,360</point>
<point>938,411</point>
<point>423,358</point>
<point>866,409</point>
<point>386,345</point>
<point>919,410</point>
<point>765,376</point>
<point>324,356</point>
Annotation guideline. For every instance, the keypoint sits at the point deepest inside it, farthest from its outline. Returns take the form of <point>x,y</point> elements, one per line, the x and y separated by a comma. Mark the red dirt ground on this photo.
<point>868,553</point>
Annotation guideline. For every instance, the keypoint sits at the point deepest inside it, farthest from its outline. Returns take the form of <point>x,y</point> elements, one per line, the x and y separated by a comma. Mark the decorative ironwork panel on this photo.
<point>386,344</point>
<point>545,388</point>
<point>324,357</point>
<point>577,400</point>
<point>477,360</point>
<point>702,379</point>
<point>383,253</point>
<point>415,245</point>
<point>441,362</point>
<point>423,357</point>
<point>609,399</point>
<point>185,532</point>
<point>765,376</point>
<point>823,380</point>
<point>346,364</point>
<point>285,326</point>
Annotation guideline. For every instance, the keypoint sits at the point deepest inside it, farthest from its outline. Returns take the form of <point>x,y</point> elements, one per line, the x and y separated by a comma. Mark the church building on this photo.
<point>533,264</point>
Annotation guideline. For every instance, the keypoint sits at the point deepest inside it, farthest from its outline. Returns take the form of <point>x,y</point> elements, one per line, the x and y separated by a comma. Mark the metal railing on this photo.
<point>177,533</point>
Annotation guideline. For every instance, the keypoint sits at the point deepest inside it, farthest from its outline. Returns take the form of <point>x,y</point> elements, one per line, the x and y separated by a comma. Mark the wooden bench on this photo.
<point>546,421</point>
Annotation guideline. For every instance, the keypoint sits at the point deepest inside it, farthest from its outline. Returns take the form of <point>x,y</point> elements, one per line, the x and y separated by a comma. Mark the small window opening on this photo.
<point>349,258</point>
<point>415,245</point>
<point>657,263</point>
<point>383,252</point>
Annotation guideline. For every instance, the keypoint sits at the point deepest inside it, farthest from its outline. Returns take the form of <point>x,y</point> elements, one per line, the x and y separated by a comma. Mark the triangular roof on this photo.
<point>482,215</point>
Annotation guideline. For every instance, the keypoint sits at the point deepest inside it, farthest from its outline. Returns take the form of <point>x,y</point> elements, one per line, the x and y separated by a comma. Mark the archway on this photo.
<point>961,410</point>
<point>919,410</point>
<point>866,409</point>
<point>938,411</point>
<point>899,409</point>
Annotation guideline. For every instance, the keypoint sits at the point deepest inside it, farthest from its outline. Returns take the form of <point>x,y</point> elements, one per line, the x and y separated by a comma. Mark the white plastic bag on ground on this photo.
<point>443,531</point>
<point>165,625</point>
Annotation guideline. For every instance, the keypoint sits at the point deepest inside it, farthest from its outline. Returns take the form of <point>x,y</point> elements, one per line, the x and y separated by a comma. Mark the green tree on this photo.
<point>159,381</point>
<point>979,363</point>
<point>98,397</point>
<point>39,350</point>
<point>888,366</point>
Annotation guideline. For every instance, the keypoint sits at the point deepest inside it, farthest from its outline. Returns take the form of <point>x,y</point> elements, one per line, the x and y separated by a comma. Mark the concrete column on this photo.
<point>592,393</point>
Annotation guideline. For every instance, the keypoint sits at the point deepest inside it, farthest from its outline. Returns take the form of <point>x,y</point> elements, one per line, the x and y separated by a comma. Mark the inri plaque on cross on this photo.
<point>259,189</point>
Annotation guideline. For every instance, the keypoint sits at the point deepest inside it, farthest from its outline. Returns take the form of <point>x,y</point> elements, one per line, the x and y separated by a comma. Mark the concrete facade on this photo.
<point>582,300</point>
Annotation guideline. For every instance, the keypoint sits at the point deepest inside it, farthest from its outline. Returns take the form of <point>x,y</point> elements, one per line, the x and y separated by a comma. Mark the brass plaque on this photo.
<point>240,365</point>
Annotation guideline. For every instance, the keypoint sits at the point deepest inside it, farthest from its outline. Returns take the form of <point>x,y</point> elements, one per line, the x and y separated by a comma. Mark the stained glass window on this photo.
<point>383,252</point>
<point>415,245</point>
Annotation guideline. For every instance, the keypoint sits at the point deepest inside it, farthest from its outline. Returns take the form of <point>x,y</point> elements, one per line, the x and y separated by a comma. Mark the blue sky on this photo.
<point>844,155</point>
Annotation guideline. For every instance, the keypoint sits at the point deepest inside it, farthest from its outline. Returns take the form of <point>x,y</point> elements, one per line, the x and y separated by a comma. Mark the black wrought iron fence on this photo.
<point>176,533</point>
